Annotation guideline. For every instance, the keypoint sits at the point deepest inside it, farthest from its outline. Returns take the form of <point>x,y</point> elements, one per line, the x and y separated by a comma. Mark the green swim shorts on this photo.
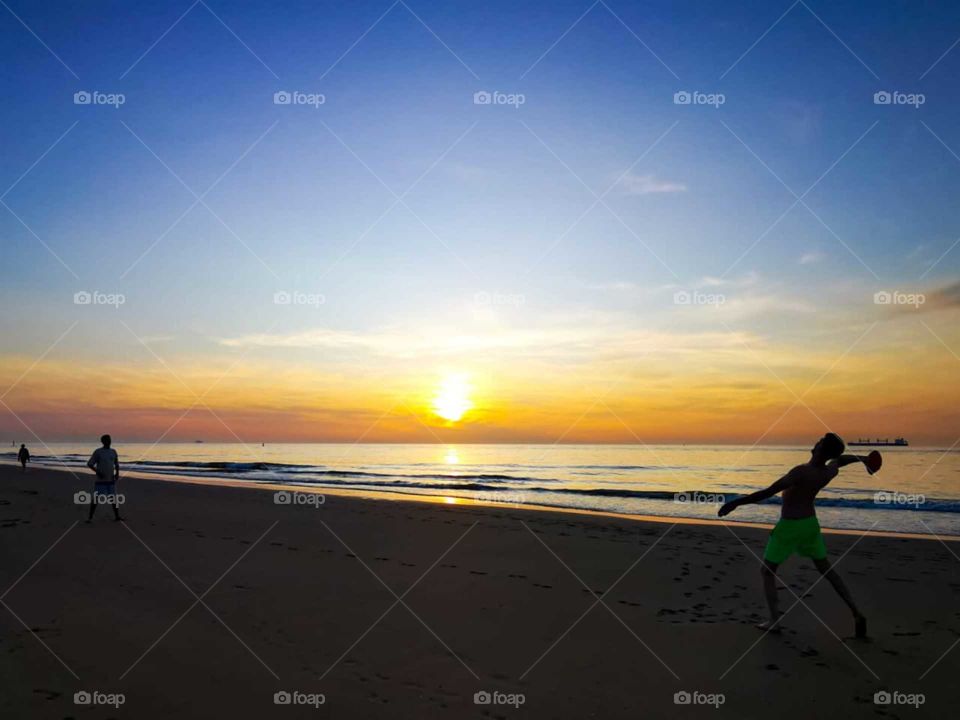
<point>802,537</point>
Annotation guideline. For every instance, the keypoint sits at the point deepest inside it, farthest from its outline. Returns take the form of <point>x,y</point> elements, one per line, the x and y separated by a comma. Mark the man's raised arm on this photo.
<point>845,460</point>
<point>781,484</point>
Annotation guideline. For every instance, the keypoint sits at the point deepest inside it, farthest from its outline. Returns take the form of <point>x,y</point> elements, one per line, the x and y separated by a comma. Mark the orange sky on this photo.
<point>898,379</point>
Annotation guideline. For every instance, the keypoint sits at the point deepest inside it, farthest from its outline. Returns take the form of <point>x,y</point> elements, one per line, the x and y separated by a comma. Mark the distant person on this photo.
<point>23,457</point>
<point>798,530</point>
<point>105,463</point>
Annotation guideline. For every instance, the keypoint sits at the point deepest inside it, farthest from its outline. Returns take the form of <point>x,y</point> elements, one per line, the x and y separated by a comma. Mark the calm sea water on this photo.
<point>918,489</point>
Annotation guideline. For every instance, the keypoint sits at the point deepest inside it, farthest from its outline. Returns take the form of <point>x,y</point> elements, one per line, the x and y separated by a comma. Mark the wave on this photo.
<point>493,484</point>
<point>692,497</point>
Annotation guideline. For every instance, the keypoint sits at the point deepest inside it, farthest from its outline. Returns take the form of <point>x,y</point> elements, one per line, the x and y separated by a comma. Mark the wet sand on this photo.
<point>211,599</point>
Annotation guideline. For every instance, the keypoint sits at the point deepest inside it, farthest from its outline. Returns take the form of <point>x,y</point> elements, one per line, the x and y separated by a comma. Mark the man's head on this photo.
<point>22,445</point>
<point>105,439</point>
<point>829,447</point>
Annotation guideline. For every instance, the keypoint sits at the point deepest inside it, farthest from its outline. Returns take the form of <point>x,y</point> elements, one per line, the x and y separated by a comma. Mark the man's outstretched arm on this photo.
<point>845,460</point>
<point>781,484</point>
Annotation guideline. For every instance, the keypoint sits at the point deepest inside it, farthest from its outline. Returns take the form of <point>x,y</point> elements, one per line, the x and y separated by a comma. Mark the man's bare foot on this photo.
<point>772,626</point>
<point>861,626</point>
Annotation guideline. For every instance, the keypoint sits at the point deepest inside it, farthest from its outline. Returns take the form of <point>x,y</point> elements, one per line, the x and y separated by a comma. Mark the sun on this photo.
<point>452,399</point>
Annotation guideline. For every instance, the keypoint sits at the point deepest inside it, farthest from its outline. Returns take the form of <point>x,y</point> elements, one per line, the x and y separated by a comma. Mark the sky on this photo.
<point>672,222</point>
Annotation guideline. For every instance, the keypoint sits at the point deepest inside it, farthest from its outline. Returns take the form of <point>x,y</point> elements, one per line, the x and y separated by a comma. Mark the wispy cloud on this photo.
<point>631,184</point>
<point>811,257</point>
<point>564,344</point>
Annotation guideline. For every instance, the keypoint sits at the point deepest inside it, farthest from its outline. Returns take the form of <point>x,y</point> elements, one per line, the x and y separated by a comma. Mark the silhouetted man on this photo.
<point>23,457</point>
<point>798,530</point>
<point>105,463</point>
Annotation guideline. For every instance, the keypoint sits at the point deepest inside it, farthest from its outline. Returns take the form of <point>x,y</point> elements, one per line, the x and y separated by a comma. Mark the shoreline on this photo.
<point>398,497</point>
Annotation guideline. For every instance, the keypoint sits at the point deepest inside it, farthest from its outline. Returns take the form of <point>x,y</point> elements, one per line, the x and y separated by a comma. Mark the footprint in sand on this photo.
<point>45,632</point>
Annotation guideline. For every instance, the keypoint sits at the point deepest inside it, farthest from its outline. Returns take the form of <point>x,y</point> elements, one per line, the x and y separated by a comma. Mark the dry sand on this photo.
<point>211,599</point>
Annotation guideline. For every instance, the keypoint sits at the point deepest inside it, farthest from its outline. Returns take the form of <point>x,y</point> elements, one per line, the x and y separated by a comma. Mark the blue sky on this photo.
<point>497,210</point>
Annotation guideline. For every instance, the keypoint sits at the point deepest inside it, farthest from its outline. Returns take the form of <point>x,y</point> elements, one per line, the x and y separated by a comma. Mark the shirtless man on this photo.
<point>798,530</point>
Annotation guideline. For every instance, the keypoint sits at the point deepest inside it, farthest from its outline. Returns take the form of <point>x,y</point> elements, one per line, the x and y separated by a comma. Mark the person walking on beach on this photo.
<point>23,457</point>
<point>105,463</point>
<point>798,530</point>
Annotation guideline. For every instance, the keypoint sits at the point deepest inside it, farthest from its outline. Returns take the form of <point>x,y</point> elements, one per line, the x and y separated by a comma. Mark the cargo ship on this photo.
<point>898,442</point>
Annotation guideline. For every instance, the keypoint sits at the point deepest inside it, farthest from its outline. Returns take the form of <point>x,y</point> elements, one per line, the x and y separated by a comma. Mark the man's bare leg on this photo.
<point>769,574</point>
<point>826,569</point>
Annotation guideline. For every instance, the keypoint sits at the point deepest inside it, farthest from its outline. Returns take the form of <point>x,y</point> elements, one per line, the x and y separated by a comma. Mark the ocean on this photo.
<point>917,491</point>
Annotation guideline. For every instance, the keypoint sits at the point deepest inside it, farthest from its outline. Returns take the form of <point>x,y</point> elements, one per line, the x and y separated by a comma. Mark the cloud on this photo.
<point>947,296</point>
<point>811,257</point>
<point>563,344</point>
<point>648,184</point>
<point>943,298</point>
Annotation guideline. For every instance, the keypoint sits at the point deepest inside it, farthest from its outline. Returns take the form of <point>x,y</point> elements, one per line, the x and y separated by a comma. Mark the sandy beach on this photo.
<point>210,600</point>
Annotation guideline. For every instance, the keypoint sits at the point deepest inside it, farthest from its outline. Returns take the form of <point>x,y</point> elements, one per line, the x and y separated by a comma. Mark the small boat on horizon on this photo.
<point>898,442</point>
